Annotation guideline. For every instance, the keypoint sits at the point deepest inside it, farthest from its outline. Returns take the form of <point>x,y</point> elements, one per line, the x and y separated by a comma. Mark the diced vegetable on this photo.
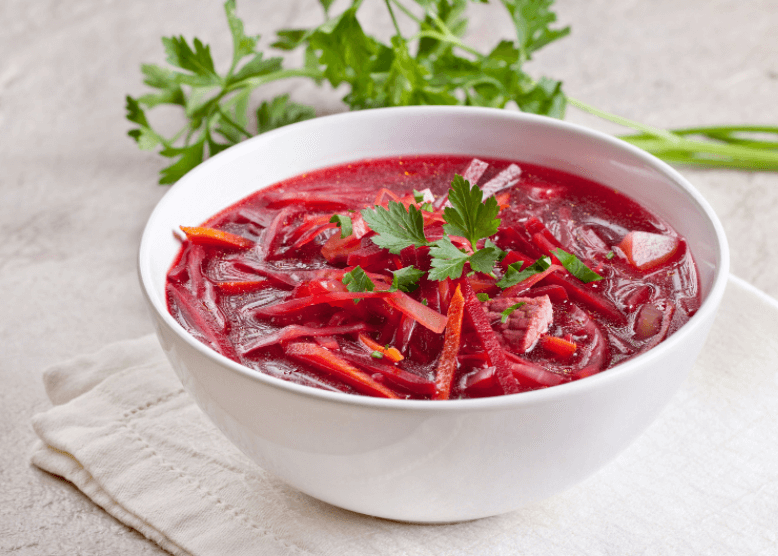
<point>645,250</point>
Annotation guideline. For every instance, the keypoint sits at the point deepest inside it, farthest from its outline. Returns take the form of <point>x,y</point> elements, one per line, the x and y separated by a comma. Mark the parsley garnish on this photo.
<point>575,267</point>
<point>514,274</point>
<point>406,279</point>
<point>507,312</point>
<point>469,215</point>
<point>377,355</point>
<point>396,227</point>
<point>357,280</point>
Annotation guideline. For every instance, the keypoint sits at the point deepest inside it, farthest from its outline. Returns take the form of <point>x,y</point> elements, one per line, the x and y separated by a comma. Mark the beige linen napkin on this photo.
<point>702,480</point>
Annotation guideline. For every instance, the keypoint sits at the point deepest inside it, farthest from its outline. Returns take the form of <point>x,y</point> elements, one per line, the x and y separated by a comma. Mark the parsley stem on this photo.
<point>721,150</point>
<point>656,132</point>
<point>254,82</point>
<point>394,19</point>
<point>234,124</point>
<point>406,11</point>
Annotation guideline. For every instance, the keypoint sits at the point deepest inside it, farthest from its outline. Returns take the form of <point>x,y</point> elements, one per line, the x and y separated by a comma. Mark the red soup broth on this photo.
<point>261,282</point>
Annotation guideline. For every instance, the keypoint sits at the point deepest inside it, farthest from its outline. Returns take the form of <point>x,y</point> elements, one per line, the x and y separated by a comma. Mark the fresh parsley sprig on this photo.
<point>431,65</point>
<point>469,216</point>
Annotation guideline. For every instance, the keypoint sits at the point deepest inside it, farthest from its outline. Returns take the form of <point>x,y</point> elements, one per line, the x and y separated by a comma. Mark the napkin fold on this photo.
<point>702,479</point>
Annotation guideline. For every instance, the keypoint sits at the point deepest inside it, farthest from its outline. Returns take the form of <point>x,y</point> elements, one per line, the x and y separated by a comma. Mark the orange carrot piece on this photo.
<point>558,346</point>
<point>215,238</point>
<point>444,374</point>
<point>327,361</point>
<point>503,200</point>
<point>391,353</point>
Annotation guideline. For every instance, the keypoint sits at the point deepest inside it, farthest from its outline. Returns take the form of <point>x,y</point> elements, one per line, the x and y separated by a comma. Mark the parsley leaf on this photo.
<point>469,215</point>
<point>484,259</point>
<point>397,227</point>
<point>357,280</point>
<point>280,112</point>
<point>514,274</point>
<point>406,279</point>
<point>345,224</point>
<point>575,267</point>
<point>447,260</point>
<point>216,105</point>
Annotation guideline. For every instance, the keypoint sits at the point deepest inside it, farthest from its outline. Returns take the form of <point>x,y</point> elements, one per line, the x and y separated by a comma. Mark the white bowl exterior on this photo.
<point>433,461</point>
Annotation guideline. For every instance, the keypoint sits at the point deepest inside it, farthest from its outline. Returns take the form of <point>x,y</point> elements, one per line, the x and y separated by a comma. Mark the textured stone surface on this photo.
<point>75,192</point>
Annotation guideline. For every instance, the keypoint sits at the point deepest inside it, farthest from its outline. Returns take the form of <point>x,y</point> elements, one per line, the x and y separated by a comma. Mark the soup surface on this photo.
<point>551,278</point>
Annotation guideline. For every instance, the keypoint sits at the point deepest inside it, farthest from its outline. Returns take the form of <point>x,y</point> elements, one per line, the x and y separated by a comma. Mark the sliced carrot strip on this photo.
<point>390,353</point>
<point>558,346</point>
<point>215,238</point>
<point>444,374</point>
<point>325,360</point>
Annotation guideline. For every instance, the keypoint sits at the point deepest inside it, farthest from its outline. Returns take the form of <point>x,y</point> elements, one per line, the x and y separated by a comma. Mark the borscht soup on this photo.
<point>432,277</point>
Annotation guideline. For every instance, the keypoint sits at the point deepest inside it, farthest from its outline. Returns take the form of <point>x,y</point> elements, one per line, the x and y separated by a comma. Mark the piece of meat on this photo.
<point>524,325</point>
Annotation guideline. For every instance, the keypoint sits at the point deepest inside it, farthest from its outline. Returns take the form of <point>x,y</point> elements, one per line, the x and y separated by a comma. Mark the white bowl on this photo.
<point>432,461</point>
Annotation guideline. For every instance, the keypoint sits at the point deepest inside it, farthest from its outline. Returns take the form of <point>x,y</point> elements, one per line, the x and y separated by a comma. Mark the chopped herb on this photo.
<point>406,279</point>
<point>344,223</point>
<point>507,312</point>
<point>358,281</point>
<point>377,355</point>
<point>514,274</point>
<point>610,255</point>
<point>482,297</point>
<point>575,267</point>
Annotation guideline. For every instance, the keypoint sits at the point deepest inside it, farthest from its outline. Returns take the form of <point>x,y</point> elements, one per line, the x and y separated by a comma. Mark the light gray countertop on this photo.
<point>75,191</point>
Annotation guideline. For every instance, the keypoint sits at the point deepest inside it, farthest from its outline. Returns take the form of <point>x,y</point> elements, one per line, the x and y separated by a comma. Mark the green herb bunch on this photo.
<point>432,66</point>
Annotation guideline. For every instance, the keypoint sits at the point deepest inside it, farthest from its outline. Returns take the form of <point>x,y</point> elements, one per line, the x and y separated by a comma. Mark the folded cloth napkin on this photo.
<point>702,480</point>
